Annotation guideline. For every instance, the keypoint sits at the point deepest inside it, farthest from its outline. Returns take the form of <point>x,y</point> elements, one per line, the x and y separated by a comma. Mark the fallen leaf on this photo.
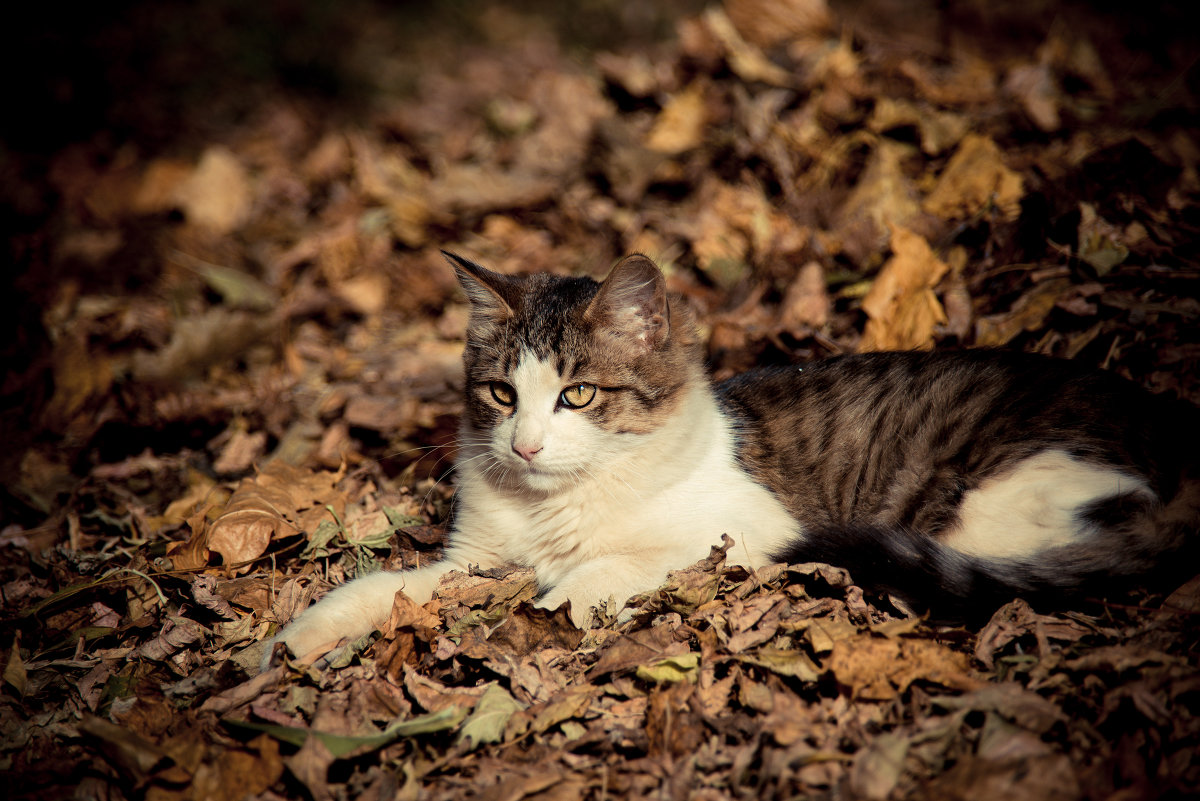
<point>14,668</point>
<point>1034,87</point>
<point>976,179</point>
<point>795,664</point>
<point>344,745</point>
<point>217,195</point>
<point>939,130</point>
<point>488,720</point>
<point>768,22</point>
<point>672,669</point>
<point>1101,244</point>
<point>806,301</point>
<point>884,197</point>
<point>638,648</point>
<point>878,766</point>
<point>1028,313</point>
<point>744,58</point>
<point>280,501</point>
<point>681,124</point>
<point>217,336</point>
<point>901,306</point>
<point>881,669</point>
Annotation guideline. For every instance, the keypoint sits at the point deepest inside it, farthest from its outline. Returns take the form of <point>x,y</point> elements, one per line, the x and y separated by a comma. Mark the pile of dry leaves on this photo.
<point>235,383</point>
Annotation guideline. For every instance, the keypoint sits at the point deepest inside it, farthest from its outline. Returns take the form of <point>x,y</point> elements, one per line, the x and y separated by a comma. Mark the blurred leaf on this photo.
<point>237,288</point>
<point>974,180</point>
<point>343,745</point>
<point>14,668</point>
<point>488,720</point>
<point>671,670</point>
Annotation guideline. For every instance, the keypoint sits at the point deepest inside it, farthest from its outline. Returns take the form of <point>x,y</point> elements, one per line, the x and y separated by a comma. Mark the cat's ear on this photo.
<point>488,292</point>
<point>630,308</point>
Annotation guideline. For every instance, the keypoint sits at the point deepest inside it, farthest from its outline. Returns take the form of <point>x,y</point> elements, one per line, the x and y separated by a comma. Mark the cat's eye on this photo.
<point>503,393</point>
<point>578,395</point>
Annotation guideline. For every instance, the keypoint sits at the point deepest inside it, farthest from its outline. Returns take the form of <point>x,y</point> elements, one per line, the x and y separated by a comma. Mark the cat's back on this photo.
<point>909,433</point>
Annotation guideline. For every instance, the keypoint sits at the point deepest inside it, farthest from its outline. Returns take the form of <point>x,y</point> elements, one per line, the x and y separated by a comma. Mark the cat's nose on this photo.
<point>527,452</point>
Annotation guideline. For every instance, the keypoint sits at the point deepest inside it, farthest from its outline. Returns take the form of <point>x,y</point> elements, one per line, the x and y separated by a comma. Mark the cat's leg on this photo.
<point>618,576</point>
<point>360,606</point>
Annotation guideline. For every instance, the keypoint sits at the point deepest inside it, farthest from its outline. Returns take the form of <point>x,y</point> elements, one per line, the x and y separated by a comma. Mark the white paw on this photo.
<point>306,639</point>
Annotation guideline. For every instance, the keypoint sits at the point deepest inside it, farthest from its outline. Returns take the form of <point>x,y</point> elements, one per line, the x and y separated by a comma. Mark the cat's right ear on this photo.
<point>630,309</point>
<point>486,290</point>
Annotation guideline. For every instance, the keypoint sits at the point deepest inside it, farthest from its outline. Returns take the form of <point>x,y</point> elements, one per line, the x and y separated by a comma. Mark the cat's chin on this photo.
<point>544,481</point>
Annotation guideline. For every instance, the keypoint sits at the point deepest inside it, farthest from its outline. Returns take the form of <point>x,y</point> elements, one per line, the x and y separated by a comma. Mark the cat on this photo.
<point>595,449</point>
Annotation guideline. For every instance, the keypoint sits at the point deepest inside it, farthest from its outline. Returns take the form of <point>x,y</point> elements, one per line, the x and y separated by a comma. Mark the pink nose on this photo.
<point>527,452</point>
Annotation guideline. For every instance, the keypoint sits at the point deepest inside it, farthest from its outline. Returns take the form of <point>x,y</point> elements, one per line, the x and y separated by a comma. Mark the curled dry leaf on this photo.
<point>976,179</point>
<point>901,307</point>
<point>280,501</point>
<point>1028,313</point>
<point>880,669</point>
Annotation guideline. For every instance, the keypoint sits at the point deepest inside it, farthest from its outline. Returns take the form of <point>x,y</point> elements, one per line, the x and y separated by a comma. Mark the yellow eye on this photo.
<point>503,393</point>
<point>578,396</point>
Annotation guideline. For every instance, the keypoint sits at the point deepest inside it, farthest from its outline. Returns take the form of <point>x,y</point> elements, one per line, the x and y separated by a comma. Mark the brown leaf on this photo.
<point>901,306</point>
<point>131,751</point>
<point>217,195</point>
<point>744,58</point>
<point>806,302</point>
<point>218,335</point>
<point>79,376</point>
<point>939,130</point>
<point>975,179</point>
<point>881,669</point>
<point>239,773</point>
<point>240,452</point>
<point>1017,619</point>
<point>637,648</point>
<point>671,724</point>
<point>1028,313</point>
<point>878,766</point>
<point>1034,87</point>
<point>681,124</point>
<point>531,628</point>
<point>176,633</point>
<point>1013,702</point>
<point>1101,244</point>
<point>768,22</point>
<point>279,502</point>
<point>883,197</point>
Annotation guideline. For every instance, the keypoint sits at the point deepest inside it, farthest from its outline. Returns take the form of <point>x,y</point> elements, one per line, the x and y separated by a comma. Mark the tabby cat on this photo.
<point>595,450</point>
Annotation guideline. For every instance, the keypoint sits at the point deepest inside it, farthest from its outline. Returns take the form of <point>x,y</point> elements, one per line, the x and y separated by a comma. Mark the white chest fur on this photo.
<point>657,502</point>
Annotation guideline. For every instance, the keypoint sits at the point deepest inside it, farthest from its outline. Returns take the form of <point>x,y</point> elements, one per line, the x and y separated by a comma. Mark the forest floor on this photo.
<point>232,381</point>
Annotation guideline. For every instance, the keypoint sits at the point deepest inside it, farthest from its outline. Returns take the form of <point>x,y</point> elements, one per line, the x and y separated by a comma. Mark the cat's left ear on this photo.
<point>631,305</point>
<point>491,294</point>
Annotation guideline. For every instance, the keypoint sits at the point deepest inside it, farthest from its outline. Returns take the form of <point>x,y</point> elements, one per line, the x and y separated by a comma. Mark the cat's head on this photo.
<point>566,375</point>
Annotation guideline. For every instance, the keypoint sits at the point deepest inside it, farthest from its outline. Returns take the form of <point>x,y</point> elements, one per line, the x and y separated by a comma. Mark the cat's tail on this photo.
<point>1160,544</point>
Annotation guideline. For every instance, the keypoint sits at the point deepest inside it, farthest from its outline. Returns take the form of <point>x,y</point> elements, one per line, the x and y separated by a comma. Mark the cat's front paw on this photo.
<point>307,638</point>
<point>580,612</point>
